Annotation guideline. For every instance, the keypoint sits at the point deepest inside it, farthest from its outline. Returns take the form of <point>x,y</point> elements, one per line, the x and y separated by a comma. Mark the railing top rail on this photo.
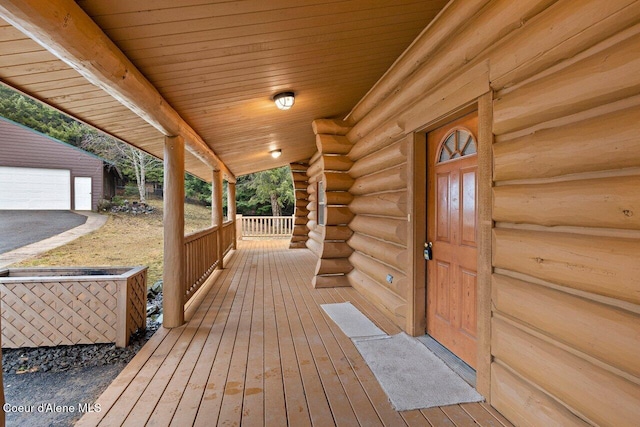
<point>254,217</point>
<point>200,233</point>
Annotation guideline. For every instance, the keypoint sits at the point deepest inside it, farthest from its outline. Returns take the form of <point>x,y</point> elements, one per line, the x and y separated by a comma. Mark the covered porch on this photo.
<point>257,349</point>
<point>549,91</point>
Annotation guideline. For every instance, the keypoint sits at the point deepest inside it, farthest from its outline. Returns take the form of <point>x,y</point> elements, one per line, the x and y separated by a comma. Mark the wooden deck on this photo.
<point>259,350</point>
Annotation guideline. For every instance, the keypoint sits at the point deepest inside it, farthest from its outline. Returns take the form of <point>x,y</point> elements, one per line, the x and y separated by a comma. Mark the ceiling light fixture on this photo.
<point>284,100</point>
<point>276,153</point>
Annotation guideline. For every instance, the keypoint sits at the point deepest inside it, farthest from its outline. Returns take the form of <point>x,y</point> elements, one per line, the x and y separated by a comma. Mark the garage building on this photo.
<point>41,173</point>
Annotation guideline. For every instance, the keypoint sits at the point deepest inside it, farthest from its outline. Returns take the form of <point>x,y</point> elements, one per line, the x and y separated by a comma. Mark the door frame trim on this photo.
<point>417,170</point>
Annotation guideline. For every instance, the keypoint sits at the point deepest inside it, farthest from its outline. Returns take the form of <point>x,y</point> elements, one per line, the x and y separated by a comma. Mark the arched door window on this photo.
<point>458,143</point>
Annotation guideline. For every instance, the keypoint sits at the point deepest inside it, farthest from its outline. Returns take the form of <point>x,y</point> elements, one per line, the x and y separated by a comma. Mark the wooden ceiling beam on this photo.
<point>65,30</point>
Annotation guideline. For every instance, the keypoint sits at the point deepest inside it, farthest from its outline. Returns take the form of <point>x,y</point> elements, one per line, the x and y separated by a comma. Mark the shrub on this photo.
<point>104,205</point>
<point>131,190</point>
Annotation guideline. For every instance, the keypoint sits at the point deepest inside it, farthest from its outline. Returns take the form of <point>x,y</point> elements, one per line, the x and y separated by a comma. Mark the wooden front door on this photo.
<point>451,227</point>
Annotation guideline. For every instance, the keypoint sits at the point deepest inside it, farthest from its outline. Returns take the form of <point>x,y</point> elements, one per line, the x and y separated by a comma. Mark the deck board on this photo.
<point>185,406</point>
<point>259,350</point>
<point>335,393</point>
<point>354,393</point>
<point>253,393</point>
<point>274,397</point>
<point>296,404</point>
<point>374,392</point>
<point>317,400</point>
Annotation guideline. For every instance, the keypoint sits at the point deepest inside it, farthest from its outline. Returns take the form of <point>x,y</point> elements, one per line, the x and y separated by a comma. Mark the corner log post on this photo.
<point>300,183</point>
<point>328,241</point>
<point>173,274</point>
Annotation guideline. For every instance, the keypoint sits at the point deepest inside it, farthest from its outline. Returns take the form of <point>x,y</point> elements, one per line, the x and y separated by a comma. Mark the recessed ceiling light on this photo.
<point>276,153</point>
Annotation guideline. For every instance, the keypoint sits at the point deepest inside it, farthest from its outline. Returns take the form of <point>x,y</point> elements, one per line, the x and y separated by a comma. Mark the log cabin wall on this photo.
<point>329,214</point>
<point>560,302</point>
<point>300,184</point>
<point>380,257</point>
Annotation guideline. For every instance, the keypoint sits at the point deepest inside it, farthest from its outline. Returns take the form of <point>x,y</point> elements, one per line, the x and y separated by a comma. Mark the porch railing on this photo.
<point>200,259</point>
<point>200,248</point>
<point>267,226</point>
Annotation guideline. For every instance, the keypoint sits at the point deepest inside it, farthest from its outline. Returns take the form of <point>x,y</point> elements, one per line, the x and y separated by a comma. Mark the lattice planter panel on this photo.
<point>44,307</point>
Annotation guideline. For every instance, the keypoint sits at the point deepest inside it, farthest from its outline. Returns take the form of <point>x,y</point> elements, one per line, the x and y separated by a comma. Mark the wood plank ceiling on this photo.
<point>218,63</point>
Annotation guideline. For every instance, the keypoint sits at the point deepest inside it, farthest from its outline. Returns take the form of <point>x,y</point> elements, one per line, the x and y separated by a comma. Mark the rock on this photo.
<point>152,309</point>
<point>157,287</point>
<point>134,208</point>
<point>154,290</point>
<point>154,302</point>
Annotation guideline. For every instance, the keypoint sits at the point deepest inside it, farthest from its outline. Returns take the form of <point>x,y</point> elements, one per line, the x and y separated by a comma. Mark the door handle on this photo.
<point>428,252</point>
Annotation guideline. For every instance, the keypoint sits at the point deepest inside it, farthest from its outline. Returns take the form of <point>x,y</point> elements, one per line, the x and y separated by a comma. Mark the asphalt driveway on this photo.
<point>20,228</point>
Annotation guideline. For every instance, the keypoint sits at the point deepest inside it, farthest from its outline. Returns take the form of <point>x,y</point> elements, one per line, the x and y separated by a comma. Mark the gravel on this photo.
<point>29,396</point>
<point>70,376</point>
<point>64,376</point>
<point>64,358</point>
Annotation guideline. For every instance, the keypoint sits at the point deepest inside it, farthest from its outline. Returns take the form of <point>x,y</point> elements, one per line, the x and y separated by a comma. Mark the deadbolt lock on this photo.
<point>428,253</point>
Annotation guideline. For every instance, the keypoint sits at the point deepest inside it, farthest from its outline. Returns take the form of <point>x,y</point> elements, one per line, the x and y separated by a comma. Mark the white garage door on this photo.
<point>31,188</point>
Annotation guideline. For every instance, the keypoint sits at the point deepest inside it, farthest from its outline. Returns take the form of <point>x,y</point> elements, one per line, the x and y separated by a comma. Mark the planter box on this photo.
<point>44,307</point>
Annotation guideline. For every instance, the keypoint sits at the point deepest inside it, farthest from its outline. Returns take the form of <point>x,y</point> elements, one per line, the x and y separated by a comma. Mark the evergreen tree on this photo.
<point>197,189</point>
<point>273,187</point>
<point>35,115</point>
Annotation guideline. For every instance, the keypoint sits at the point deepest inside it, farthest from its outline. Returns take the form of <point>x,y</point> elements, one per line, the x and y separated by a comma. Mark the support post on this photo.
<point>216,213</point>
<point>231,209</point>
<point>172,288</point>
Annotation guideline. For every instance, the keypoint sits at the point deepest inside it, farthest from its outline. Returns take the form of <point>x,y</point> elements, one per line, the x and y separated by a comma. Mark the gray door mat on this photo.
<point>454,362</point>
<point>352,322</point>
<point>411,375</point>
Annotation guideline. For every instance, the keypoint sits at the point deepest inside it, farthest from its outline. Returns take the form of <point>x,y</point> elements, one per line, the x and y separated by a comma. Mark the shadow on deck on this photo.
<point>258,350</point>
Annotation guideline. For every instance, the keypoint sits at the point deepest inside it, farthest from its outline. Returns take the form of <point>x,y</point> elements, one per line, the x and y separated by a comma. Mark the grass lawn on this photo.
<point>125,240</point>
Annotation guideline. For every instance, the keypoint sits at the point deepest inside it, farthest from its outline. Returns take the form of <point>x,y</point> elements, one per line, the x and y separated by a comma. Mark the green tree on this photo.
<point>35,115</point>
<point>273,187</point>
<point>197,189</point>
